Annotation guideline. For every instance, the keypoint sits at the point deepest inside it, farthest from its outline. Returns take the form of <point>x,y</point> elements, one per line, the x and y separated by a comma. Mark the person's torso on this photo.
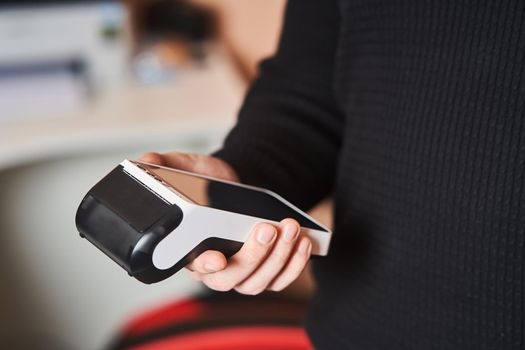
<point>429,243</point>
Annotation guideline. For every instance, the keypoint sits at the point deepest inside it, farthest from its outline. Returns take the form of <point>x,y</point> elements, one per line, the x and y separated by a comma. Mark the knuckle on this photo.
<point>194,156</point>
<point>297,266</point>
<point>188,157</point>
<point>253,255</point>
<point>282,258</point>
<point>297,258</point>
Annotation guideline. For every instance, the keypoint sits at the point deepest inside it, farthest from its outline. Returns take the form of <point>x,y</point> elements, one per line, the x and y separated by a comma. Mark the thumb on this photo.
<point>175,160</point>
<point>152,158</point>
<point>182,161</point>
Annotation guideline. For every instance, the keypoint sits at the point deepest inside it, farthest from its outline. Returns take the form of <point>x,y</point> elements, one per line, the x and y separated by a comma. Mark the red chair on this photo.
<point>219,321</point>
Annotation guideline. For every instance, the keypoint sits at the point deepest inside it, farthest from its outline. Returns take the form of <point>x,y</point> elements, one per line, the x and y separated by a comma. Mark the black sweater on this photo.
<point>411,113</point>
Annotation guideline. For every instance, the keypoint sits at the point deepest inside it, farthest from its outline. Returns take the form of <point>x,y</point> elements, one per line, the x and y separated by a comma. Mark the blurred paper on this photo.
<point>41,95</point>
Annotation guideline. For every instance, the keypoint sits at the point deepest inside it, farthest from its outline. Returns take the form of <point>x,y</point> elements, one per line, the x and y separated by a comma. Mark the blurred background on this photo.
<point>83,85</point>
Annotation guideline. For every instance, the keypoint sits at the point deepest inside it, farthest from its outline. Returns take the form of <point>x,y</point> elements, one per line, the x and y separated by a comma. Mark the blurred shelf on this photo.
<point>201,99</point>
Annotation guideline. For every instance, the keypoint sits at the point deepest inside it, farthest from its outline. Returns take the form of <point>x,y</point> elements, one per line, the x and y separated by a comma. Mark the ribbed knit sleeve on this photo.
<point>290,129</point>
<point>428,249</point>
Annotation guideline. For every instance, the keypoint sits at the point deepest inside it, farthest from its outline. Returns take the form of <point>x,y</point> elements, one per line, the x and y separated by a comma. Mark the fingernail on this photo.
<point>290,232</point>
<point>265,234</point>
<point>304,247</point>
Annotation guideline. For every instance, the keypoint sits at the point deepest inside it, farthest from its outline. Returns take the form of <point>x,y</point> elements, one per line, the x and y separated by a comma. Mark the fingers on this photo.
<point>152,158</point>
<point>183,161</point>
<point>245,261</point>
<point>201,164</point>
<point>294,267</point>
<point>275,262</point>
<point>177,160</point>
<point>271,259</point>
<point>197,163</point>
<point>208,262</point>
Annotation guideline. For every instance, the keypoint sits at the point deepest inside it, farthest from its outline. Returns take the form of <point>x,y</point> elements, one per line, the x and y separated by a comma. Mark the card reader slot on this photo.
<point>129,199</point>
